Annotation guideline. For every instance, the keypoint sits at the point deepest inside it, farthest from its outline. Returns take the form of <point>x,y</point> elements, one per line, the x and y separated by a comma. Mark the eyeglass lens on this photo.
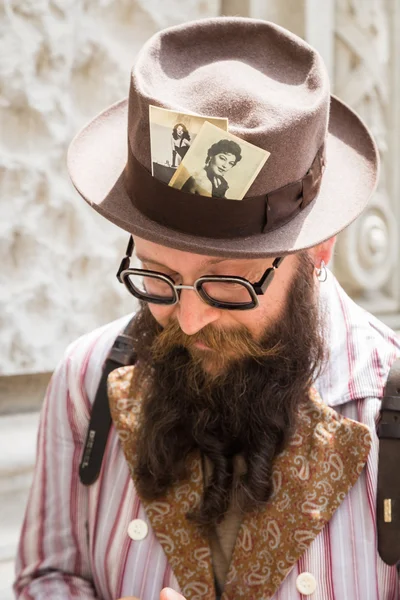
<point>149,286</point>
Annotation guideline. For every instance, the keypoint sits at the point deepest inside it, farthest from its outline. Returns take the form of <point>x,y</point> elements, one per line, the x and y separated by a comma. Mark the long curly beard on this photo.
<point>243,403</point>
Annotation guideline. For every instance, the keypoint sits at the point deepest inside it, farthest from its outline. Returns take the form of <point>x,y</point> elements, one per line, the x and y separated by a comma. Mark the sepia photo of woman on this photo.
<point>180,142</point>
<point>210,166</point>
<point>172,134</point>
<point>210,181</point>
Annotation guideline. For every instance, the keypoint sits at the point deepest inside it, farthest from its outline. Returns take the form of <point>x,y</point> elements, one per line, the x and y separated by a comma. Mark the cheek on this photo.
<point>273,303</point>
<point>271,307</point>
<point>162,314</point>
<point>255,321</point>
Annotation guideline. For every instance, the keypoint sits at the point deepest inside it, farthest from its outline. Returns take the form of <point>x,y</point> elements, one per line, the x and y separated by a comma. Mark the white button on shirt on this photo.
<point>137,529</point>
<point>306,584</point>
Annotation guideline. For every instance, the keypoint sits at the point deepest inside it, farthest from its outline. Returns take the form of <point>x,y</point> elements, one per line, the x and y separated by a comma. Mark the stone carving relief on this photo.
<point>62,61</point>
<point>367,252</point>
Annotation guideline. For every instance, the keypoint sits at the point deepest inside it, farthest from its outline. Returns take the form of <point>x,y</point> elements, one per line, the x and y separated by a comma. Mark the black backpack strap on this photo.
<point>121,354</point>
<point>388,498</point>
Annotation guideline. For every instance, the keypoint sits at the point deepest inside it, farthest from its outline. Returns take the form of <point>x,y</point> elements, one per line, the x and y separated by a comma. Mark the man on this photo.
<point>242,462</point>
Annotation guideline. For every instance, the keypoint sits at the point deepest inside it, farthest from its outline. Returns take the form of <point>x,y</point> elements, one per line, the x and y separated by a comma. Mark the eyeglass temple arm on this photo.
<point>269,274</point>
<point>125,262</point>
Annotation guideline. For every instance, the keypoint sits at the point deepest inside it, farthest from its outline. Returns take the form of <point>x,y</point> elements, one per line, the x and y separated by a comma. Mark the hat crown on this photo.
<point>271,85</point>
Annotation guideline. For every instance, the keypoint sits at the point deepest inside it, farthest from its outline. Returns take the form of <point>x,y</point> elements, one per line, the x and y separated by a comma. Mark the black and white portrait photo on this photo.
<point>210,181</point>
<point>171,136</point>
<point>219,165</point>
<point>180,143</point>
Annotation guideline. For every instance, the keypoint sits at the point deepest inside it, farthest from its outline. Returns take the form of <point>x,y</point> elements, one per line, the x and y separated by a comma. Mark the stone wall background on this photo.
<point>61,62</point>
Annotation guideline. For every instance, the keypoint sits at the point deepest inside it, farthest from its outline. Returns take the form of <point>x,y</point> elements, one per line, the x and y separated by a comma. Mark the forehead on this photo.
<point>181,260</point>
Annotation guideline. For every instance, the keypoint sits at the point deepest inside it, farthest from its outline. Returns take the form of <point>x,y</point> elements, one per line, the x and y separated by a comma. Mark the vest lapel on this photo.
<point>311,478</point>
<point>187,550</point>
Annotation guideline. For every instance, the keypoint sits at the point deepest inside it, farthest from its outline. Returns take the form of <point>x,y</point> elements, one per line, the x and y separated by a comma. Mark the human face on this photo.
<point>179,131</point>
<point>247,405</point>
<point>191,313</point>
<point>222,163</point>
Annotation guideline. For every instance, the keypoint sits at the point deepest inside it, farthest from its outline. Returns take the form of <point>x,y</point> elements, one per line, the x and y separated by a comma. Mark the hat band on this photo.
<point>219,217</point>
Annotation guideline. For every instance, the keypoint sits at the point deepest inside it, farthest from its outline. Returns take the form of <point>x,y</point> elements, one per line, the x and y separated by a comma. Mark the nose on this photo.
<point>193,314</point>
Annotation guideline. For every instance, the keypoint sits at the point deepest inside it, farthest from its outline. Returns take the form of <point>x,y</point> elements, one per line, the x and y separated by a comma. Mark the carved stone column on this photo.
<point>366,77</point>
<point>359,44</point>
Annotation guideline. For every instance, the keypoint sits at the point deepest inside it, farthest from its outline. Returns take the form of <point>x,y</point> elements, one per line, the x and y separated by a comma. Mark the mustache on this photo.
<point>237,342</point>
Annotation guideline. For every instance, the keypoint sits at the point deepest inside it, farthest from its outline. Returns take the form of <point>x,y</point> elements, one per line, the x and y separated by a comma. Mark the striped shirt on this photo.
<point>74,542</point>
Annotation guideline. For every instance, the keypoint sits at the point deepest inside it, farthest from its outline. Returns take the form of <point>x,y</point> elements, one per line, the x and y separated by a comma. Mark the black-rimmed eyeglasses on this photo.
<point>221,291</point>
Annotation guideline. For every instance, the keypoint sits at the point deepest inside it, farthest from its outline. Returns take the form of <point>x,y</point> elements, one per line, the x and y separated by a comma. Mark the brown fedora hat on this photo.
<point>274,89</point>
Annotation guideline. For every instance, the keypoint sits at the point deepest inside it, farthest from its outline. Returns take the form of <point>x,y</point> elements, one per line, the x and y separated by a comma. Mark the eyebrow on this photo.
<point>213,261</point>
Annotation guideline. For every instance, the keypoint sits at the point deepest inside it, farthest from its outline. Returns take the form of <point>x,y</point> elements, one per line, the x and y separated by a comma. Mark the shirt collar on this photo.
<point>361,348</point>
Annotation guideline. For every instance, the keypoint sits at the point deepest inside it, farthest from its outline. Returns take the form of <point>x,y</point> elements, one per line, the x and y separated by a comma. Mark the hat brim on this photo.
<point>97,157</point>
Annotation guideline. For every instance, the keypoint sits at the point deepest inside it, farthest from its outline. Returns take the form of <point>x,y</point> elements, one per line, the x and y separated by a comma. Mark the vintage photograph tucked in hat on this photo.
<point>219,165</point>
<point>171,135</point>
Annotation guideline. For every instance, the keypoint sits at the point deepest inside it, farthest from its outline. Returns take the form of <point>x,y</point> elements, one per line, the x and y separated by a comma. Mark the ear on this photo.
<point>322,252</point>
